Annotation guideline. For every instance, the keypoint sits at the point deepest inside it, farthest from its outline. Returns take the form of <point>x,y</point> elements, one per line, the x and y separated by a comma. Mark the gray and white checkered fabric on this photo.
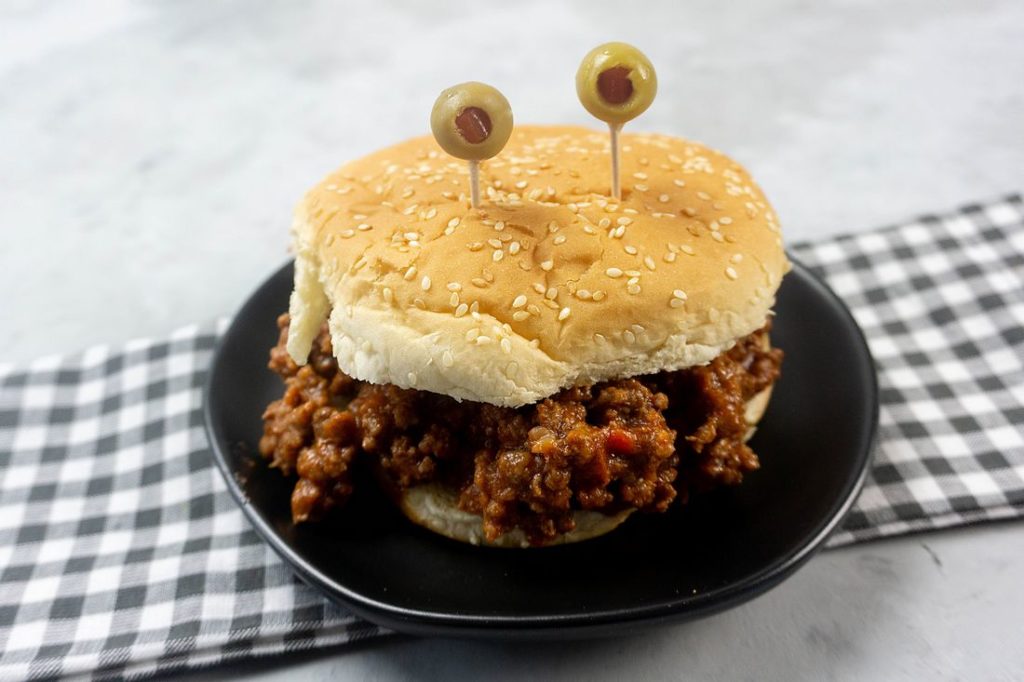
<point>941,302</point>
<point>122,554</point>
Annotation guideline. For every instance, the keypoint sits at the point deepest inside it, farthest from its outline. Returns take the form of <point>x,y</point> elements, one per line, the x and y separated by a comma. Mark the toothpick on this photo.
<point>614,129</point>
<point>474,183</point>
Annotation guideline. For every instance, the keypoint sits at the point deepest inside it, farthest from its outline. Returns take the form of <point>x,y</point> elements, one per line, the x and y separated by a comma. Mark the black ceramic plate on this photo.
<point>718,551</point>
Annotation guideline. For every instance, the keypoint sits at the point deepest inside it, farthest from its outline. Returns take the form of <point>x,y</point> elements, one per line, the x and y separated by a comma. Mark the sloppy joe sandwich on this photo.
<point>534,370</point>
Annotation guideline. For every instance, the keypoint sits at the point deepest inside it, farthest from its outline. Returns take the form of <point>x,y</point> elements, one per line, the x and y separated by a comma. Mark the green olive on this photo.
<point>471,121</point>
<point>616,83</point>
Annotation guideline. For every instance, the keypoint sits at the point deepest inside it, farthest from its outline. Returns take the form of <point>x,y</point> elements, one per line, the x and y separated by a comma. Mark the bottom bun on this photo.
<point>436,507</point>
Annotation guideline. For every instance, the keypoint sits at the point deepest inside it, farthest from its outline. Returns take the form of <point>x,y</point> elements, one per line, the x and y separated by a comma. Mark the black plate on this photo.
<point>720,550</point>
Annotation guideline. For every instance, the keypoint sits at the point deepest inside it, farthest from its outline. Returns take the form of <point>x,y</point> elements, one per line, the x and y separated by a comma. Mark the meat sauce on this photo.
<point>641,443</point>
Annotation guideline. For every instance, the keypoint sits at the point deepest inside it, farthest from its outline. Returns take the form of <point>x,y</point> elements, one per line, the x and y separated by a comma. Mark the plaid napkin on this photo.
<point>122,554</point>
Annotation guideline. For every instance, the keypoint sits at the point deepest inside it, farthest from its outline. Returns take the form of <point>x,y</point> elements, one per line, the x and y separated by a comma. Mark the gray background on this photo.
<point>150,154</point>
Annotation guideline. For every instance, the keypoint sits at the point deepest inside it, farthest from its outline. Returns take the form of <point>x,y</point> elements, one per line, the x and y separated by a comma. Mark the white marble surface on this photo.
<point>150,154</point>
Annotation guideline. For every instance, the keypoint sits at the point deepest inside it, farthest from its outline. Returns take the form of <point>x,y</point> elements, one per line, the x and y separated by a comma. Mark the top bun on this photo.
<point>551,283</point>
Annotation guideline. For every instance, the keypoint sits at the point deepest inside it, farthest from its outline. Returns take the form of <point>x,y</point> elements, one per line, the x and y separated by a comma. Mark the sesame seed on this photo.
<point>513,248</point>
<point>388,295</point>
<point>475,246</point>
<point>717,236</point>
<point>520,315</point>
<point>633,289</point>
<point>687,249</point>
<point>553,227</point>
<point>633,280</point>
<point>560,239</point>
<point>679,183</point>
<point>521,184</point>
<point>499,226</point>
<point>461,310</point>
<point>497,256</point>
<point>453,300</point>
<point>411,236</point>
<point>447,359</point>
<point>640,176</point>
<point>631,211</point>
<point>454,286</point>
<point>624,220</point>
<point>663,198</point>
<point>454,222</point>
<point>506,345</point>
<point>418,302</point>
<point>676,303</point>
<point>588,229</point>
<point>725,220</point>
<point>495,243</point>
<point>613,272</point>
<point>618,232</point>
<point>474,308</point>
<point>347,233</point>
<point>519,301</point>
<point>731,273</point>
<point>551,293</point>
<point>479,282</point>
<point>547,265</point>
<point>669,257</point>
<point>633,273</point>
<point>630,249</point>
<point>639,187</point>
<point>629,336</point>
<point>363,227</point>
<point>736,258</point>
<point>583,294</point>
<point>599,295</point>
<point>539,288</point>
<point>488,276</point>
<point>431,213</point>
<point>533,309</point>
<point>482,340</point>
<point>425,283</point>
<point>472,334</point>
<point>604,223</point>
<point>564,313</point>
<point>649,262</point>
<point>599,338</point>
<point>703,195</point>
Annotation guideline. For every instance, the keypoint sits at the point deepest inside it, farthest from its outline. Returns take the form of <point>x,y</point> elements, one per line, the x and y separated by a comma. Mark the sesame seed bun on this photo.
<point>550,283</point>
<point>435,507</point>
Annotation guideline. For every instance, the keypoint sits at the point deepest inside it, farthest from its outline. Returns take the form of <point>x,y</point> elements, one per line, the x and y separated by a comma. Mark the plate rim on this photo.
<point>596,623</point>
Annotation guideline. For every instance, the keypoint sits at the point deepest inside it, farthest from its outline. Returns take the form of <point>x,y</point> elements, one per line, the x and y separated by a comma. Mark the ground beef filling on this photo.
<point>630,443</point>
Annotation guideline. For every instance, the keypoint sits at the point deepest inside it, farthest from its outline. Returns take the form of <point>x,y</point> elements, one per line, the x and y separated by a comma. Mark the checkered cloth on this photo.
<point>122,553</point>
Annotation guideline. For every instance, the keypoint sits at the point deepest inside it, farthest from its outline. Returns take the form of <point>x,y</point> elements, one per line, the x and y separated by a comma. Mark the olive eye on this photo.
<point>616,83</point>
<point>471,121</point>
